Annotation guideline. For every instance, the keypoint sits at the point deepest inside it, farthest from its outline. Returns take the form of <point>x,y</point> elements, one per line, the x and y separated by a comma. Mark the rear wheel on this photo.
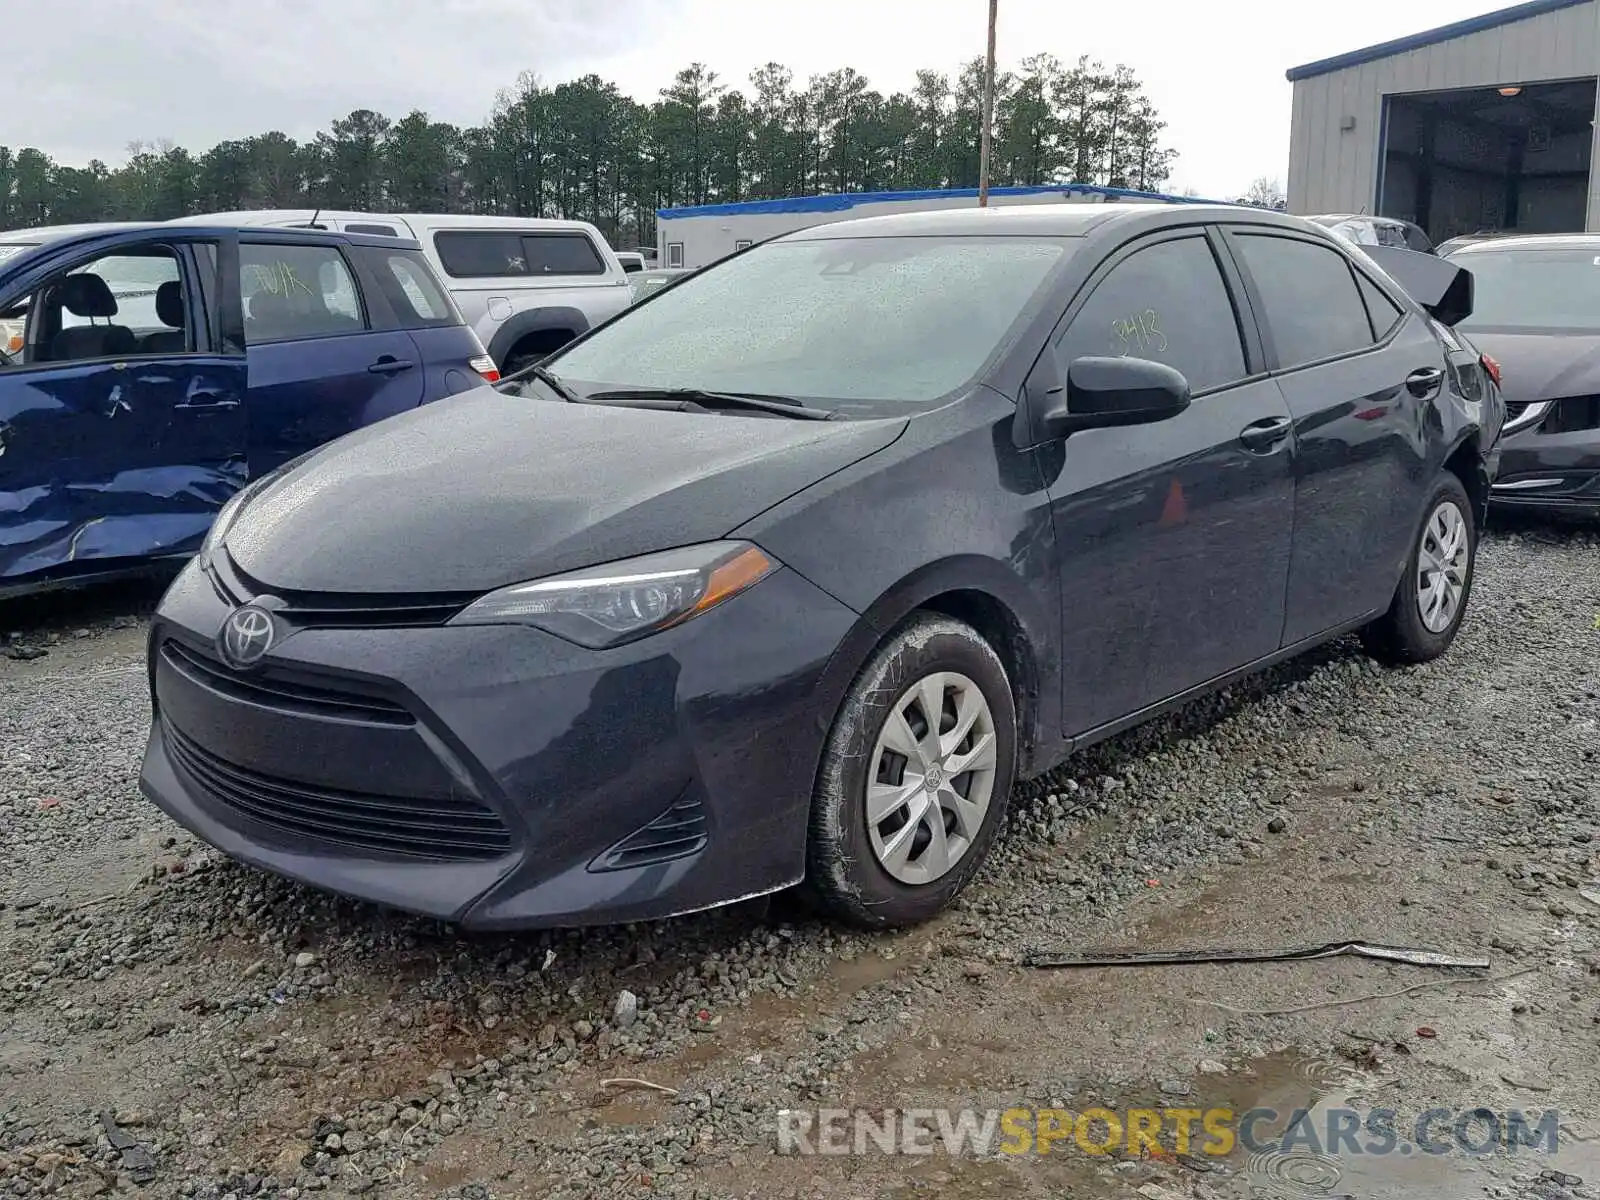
<point>1428,606</point>
<point>915,777</point>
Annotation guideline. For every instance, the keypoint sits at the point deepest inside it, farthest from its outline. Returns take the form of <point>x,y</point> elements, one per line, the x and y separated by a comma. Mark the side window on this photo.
<point>1385,313</point>
<point>409,285</point>
<point>121,305</point>
<point>674,254</point>
<point>296,292</point>
<point>1166,302</point>
<point>562,254</point>
<point>488,255</point>
<point>481,255</point>
<point>1309,296</point>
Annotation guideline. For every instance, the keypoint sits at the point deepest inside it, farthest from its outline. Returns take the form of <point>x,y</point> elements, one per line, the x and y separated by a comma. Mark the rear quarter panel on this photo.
<point>445,355</point>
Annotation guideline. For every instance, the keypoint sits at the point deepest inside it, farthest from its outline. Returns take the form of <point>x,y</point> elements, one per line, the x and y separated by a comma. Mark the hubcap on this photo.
<point>932,778</point>
<point>1442,567</point>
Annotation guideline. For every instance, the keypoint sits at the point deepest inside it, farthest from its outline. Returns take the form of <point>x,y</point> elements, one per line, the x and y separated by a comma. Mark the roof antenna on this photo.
<point>314,216</point>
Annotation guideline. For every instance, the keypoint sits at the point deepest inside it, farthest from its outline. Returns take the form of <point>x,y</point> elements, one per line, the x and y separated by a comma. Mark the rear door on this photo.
<point>1359,373</point>
<point>450,355</point>
<point>325,357</point>
<point>1174,537</point>
<point>122,415</point>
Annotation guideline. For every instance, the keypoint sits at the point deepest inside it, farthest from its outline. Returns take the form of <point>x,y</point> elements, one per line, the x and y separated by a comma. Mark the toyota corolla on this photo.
<point>785,575</point>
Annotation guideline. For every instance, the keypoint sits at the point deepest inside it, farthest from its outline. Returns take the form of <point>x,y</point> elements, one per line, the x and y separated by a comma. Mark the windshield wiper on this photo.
<point>783,406</point>
<point>544,376</point>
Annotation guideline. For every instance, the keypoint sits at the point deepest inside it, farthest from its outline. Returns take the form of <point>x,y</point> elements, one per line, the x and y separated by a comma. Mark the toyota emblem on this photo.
<point>247,634</point>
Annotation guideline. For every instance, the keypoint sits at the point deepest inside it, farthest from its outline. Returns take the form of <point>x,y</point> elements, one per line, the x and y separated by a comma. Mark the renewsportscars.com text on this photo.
<point>1214,1132</point>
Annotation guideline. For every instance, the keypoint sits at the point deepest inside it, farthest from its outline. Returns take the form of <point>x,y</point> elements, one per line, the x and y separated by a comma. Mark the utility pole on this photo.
<point>986,138</point>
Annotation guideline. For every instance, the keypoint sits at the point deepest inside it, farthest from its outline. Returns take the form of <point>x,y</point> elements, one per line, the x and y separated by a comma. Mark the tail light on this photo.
<point>484,365</point>
<point>1491,366</point>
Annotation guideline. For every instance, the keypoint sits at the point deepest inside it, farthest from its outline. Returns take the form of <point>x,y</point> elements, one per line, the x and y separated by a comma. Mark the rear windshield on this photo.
<point>858,322</point>
<point>509,254</point>
<point>1534,289</point>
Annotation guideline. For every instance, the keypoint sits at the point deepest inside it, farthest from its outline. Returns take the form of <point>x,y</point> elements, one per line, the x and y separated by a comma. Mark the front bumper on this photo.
<point>498,777</point>
<point>1549,472</point>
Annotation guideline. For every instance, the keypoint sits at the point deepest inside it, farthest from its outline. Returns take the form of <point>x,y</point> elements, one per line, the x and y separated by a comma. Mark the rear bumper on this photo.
<point>498,777</point>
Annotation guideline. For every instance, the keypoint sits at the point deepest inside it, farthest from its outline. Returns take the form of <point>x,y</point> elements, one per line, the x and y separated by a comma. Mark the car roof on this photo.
<point>52,235</point>
<point>251,216</point>
<point>1531,241</point>
<point>1042,220</point>
<point>43,235</point>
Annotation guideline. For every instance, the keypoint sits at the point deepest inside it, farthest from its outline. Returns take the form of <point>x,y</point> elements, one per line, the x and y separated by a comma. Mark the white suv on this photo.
<point>526,285</point>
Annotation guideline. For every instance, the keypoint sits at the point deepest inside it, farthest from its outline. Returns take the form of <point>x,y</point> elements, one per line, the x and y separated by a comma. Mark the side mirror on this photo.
<point>1104,392</point>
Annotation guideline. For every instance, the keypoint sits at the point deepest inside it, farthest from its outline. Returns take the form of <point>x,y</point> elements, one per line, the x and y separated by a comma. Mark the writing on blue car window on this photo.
<point>291,293</point>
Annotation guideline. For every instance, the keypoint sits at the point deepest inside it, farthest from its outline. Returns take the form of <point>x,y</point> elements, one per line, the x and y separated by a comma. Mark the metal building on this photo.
<point>694,237</point>
<point>1486,124</point>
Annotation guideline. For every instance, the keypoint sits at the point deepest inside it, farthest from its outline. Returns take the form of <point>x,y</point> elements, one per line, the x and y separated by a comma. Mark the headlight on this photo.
<point>619,602</point>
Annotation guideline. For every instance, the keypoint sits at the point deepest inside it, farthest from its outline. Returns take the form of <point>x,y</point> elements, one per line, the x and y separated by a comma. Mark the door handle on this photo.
<point>205,399</point>
<point>389,366</point>
<point>1424,381</point>
<point>1264,434</point>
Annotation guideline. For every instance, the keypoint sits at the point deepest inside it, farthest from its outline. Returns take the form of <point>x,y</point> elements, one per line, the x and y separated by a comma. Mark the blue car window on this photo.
<point>292,293</point>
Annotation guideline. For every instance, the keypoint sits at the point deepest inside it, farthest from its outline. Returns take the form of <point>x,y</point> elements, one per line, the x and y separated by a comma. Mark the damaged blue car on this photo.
<point>149,371</point>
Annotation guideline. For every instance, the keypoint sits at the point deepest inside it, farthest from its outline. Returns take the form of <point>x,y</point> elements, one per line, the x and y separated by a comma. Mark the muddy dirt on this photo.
<point>171,1024</point>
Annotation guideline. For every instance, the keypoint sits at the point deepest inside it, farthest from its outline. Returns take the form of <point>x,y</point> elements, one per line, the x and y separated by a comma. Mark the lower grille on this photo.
<point>676,833</point>
<point>454,829</point>
<point>280,690</point>
<point>1573,415</point>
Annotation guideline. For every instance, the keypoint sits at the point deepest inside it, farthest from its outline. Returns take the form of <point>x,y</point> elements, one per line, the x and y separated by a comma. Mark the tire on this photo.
<point>1406,634</point>
<point>857,873</point>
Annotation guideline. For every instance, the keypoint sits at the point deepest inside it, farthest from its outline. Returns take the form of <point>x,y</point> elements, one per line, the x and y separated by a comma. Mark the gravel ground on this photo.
<point>172,1024</point>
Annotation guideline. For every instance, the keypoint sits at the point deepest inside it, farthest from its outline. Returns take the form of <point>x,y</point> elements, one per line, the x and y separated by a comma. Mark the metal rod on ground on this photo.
<point>986,137</point>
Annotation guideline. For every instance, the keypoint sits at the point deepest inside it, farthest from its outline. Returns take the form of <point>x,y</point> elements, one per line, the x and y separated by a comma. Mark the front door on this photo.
<point>121,422</point>
<point>1175,536</point>
<point>322,361</point>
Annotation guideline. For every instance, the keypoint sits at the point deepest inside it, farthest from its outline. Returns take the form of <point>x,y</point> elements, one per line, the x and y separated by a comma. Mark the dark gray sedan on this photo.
<point>787,574</point>
<point>1537,311</point>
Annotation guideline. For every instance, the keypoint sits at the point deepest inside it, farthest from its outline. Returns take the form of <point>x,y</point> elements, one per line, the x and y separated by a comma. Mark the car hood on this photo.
<point>1542,366</point>
<point>486,489</point>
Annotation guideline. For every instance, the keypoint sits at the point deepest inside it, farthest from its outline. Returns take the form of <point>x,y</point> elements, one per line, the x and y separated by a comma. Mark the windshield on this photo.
<point>11,250</point>
<point>1534,289</point>
<point>846,322</point>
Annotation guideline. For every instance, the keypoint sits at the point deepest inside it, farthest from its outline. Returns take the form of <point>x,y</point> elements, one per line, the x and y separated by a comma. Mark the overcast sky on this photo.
<point>86,77</point>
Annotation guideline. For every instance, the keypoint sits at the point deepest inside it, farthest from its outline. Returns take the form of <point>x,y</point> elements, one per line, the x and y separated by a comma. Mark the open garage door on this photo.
<point>1490,159</point>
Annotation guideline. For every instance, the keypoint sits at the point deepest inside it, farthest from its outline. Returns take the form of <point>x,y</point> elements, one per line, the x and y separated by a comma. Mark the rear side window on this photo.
<point>410,286</point>
<point>1166,302</point>
<point>296,292</point>
<point>1310,298</point>
<point>473,255</point>
<point>1385,313</point>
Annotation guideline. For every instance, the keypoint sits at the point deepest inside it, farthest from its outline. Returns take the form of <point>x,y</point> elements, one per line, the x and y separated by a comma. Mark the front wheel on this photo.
<point>1428,606</point>
<point>915,777</point>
